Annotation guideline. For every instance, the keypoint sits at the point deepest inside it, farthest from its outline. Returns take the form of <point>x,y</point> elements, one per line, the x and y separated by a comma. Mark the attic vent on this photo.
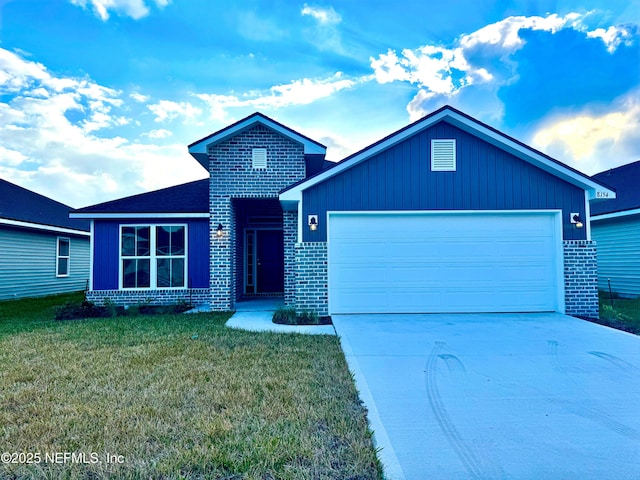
<point>259,158</point>
<point>443,155</point>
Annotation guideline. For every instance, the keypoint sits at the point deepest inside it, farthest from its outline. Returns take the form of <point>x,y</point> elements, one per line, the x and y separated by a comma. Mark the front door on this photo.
<point>264,261</point>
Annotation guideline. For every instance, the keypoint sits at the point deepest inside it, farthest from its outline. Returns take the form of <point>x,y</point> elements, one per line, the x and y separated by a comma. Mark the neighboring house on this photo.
<point>42,250</point>
<point>616,229</point>
<point>444,215</point>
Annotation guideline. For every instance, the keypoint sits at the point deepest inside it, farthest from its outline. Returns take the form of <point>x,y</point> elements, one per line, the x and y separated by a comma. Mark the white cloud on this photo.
<point>298,92</point>
<point>138,97</point>
<point>158,133</point>
<point>326,16</point>
<point>593,141</point>
<point>482,57</point>
<point>612,37</point>
<point>135,9</point>
<point>56,136</point>
<point>169,110</point>
<point>506,33</point>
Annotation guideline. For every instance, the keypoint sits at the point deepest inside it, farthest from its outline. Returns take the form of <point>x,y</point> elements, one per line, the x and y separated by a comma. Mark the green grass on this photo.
<point>177,397</point>
<point>620,313</point>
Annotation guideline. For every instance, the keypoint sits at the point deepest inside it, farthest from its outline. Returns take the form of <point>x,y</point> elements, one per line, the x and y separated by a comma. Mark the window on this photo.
<point>63,255</point>
<point>443,155</point>
<point>153,256</point>
<point>259,158</point>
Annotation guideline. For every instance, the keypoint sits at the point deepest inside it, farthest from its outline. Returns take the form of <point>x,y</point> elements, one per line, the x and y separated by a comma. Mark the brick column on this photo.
<point>221,270</point>
<point>581,278</point>
<point>312,281</point>
<point>290,227</point>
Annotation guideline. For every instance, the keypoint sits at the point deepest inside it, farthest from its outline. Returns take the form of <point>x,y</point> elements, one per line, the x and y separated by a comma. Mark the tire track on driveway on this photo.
<point>589,413</point>
<point>476,466</point>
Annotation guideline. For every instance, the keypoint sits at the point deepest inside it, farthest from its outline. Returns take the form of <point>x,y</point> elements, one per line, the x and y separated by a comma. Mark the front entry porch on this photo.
<point>259,252</point>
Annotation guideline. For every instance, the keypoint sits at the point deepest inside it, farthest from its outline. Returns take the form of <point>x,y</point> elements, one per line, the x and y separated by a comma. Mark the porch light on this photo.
<point>313,222</point>
<point>576,220</point>
<point>219,230</point>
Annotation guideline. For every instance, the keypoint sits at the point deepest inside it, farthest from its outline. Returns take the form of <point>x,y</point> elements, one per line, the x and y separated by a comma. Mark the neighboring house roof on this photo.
<point>23,208</point>
<point>198,149</point>
<point>292,194</point>
<point>626,182</point>
<point>189,199</point>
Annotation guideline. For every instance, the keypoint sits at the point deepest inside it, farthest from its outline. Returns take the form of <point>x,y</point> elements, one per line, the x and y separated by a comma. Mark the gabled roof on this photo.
<point>199,148</point>
<point>595,189</point>
<point>187,200</point>
<point>626,182</point>
<point>23,208</point>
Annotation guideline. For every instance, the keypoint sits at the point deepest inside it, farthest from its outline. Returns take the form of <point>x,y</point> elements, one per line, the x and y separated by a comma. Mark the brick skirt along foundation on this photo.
<point>193,296</point>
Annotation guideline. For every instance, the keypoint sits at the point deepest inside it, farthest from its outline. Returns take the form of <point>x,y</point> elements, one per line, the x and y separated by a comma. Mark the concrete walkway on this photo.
<point>255,315</point>
<point>521,396</point>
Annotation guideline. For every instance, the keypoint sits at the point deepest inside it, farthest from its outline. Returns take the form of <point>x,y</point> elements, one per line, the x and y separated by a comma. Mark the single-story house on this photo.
<point>616,228</point>
<point>445,215</point>
<point>42,250</point>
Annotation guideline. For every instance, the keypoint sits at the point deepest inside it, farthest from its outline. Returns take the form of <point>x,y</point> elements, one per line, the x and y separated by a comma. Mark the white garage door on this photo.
<point>445,262</point>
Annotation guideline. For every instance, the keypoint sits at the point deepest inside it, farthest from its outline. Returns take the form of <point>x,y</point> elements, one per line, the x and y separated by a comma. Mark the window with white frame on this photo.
<point>63,257</point>
<point>153,256</point>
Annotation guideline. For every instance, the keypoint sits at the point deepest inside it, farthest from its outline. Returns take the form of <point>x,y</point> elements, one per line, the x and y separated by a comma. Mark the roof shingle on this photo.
<point>19,204</point>
<point>626,182</point>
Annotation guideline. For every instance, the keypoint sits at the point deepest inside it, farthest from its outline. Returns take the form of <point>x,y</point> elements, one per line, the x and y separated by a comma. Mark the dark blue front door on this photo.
<point>270,261</point>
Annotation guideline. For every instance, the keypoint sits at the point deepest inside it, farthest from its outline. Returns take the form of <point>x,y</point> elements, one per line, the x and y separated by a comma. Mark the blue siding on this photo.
<point>28,263</point>
<point>618,243</point>
<point>400,178</point>
<point>106,247</point>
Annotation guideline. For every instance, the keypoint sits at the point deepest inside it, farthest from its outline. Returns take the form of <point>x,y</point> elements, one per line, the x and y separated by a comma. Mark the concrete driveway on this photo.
<point>535,396</point>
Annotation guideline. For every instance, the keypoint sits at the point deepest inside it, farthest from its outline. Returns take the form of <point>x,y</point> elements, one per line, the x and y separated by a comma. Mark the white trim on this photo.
<point>153,277</point>
<point>587,216</point>
<point>557,213</point>
<point>138,215</point>
<point>595,190</point>
<point>91,247</point>
<point>624,213</point>
<point>310,146</point>
<point>300,226</point>
<point>60,257</point>
<point>39,226</point>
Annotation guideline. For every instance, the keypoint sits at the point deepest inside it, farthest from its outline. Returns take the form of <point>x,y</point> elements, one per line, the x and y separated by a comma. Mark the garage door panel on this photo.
<point>428,263</point>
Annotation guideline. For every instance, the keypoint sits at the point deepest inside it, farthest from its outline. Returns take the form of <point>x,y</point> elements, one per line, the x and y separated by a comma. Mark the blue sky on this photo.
<point>100,98</point>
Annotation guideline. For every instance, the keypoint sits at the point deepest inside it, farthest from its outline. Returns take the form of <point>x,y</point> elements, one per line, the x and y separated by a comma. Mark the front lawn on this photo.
<point>620,313</point>
<point>173,396</point>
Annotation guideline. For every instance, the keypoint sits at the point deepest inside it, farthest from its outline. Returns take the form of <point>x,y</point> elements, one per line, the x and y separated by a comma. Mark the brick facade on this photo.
<point>311,278</point>
<point>193,296</point>
<point>581,278</point>
<point>233,176</point>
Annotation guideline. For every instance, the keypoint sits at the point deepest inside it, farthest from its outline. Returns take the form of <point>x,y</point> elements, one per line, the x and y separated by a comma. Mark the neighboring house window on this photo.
<point>259,158</point>
<point>153,256</point>
<point>443,155</point>
<point>63,256</point>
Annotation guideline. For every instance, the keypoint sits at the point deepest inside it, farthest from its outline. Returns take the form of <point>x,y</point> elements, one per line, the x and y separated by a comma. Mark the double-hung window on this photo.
<point>153,256</point>
<point>63,256</point>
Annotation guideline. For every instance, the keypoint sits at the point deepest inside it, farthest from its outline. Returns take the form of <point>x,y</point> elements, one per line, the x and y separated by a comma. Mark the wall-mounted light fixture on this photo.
<point>576,220</point>
<point>219,230</point>
<point>313,222</point>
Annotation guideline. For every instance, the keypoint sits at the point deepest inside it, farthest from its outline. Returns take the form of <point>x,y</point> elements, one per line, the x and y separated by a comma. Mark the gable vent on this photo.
<point>443,155</point>
<point>259,158</point>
